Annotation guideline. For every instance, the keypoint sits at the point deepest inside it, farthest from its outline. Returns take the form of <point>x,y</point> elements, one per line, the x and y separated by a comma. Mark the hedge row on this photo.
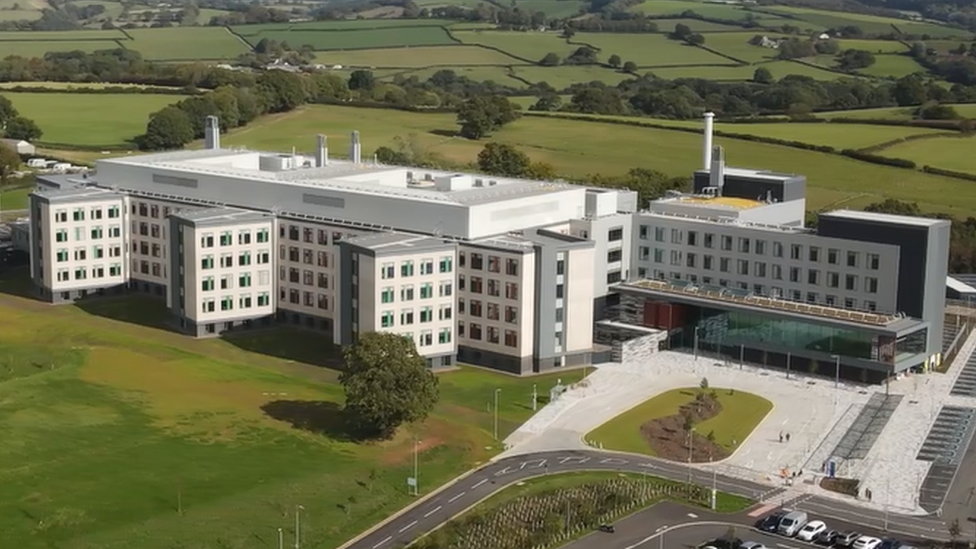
<point>949,173</point>
<point>90,148</point>
<point>900,140</point>
<point>932,124</point>
<point>877,159</point>
<point>114,90</point>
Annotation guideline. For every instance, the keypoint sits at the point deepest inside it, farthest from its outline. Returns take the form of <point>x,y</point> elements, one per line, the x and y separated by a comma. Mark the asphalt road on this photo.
<point>960,503</point>
<point>453,500</point>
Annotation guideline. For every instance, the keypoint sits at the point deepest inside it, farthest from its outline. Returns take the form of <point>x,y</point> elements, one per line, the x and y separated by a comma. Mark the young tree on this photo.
<point>550,60</point>
<point>499,159</point>
<point>169,128</point>
<point>386,383</point>
<point>630,67</point>
<point>762,76</point>
<point>361,80</point>
<point>614,61</point>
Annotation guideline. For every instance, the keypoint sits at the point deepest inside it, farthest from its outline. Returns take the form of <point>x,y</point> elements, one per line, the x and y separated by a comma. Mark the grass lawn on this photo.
<point>387,37</point>
<point>89,119</point>
<point>417,57</point>
<point>37,48</point>
<point>554,9</point>
<point>479,74</point>
<point>736,44</point>
<point>57,36</point>
<point>895,113</point>
<point>532,46</point>
<point>186,43</point>
<point>72,85</point>
<point>950,153</point>
<point>696,25</point>
<point>895,66</point>
<point>562,77</point>
<point>874,46</point>
<point>741,413</point>
<point>779,69</point>
<point>649,50</point>
<point>14,198</point>
<point>578,148</point>
<point>872,24</point>
<point>672,7</point>
<point>725,502</point>
<point>111,427</point>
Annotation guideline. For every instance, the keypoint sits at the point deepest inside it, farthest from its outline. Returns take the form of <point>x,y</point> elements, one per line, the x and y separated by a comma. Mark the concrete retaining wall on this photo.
<point>641,348</point>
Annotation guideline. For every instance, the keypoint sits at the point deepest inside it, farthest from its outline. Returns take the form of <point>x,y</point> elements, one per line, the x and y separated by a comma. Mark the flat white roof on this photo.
<point>959,286</point>
<point>886,218</point>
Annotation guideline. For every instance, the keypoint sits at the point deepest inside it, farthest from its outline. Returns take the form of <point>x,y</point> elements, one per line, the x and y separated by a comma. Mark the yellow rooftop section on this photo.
<point>726,201</point>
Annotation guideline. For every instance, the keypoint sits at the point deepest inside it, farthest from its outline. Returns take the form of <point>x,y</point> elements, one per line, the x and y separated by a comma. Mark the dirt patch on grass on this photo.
<point>669,436</point>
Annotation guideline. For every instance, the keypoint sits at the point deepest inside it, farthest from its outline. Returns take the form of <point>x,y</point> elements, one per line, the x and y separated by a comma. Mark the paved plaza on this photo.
<point>879,433</point>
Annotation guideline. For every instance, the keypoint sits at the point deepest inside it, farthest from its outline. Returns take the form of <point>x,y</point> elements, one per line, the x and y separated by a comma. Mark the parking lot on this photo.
<point>966,382</point>
<point>944,446</point>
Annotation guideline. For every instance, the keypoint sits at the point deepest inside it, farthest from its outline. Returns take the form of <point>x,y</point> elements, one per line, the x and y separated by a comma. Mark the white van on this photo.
<point>792,522</point>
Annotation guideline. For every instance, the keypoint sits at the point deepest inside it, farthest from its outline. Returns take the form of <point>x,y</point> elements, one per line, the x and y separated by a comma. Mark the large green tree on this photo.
<point>283,91</point>
<point>9,162</point>
<point>387,383</point>
<point>19,127</point>
<point>169,128</point>
<point>481,115</point>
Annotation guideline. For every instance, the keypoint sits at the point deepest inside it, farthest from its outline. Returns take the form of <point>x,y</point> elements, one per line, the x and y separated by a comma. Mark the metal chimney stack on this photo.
<point>716,172</point>
<point>321,151</point>
<point>212,133</point>
<point>707,144</point>
<point>355,149</point>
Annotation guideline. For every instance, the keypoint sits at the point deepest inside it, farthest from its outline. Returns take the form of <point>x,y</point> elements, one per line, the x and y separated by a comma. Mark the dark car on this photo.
<point>827,537</point>
<point>846,539</point>
<point>608,528</point>
<point>889,544</point>
<point>725,543</point>
<point>770,523</point>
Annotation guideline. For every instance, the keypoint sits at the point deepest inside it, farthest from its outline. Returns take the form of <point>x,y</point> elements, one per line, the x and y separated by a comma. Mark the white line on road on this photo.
<point>407,527</point>
<point>432,511</point>
<point>388,538</point>
<point>692,515</point>
<point>480,482</point>
<point>457,497</point>
<point>785,546</point>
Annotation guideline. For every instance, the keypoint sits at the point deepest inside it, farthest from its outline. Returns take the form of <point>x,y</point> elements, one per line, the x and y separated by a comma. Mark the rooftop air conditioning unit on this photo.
<point>479,182</point>
<point>492,182</point>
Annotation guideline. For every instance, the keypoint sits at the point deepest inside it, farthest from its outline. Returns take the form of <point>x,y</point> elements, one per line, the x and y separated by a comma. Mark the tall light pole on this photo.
<point>836,370</point>
<point>535,398</point>
<point>691,446</point>
<point>742,355</point>
<point>281,538</point>
<point>298,526</point>
<point>496,413</point>
<point>416,468</point>
<point>789,358</point>
<point>696,343</point>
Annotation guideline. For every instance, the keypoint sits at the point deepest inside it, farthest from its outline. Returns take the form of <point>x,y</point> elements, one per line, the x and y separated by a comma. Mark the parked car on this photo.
<point>890,544</point>
<point>866,542</point>
<point>752,545</point>
<point>608,528</point>
<point>792,523</point>
<point>770,523</point>
<point>847,538</point>
<point>811,530</point>
<point>828,537</point>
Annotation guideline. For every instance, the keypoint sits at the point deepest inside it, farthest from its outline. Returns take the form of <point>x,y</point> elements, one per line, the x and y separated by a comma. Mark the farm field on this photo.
<point>14,198</point>
<point>949,153</point>
<point>779,69</point>
<point>127,434</point>
<point>741,413</point>
<point>873,46</point>
<point>71,85</point>
<point>59,36</point>
<point>499,75</point>
<point>648,50</point>
<point>37,48</point>
<point>562,77</point>
<point>577,149</point>
<point>892,65</point>
<point>552,8</point>
<point>531,46</point>
<point>185,43</point>
<point>696,25</point>
<point>417,57</point>
<point>360,39</point>
<point>90,120</point>
<point>736,44</point>
<point>872,24</point>
<point>673,7</point>
<point>895,113</point>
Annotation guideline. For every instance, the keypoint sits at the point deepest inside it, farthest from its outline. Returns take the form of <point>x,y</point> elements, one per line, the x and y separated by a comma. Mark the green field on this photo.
<point>552,8</point>
<point>779,69</point>
<point>33,48</point>
<point>499,75</point>
<point>895,66</point>
<point>674,7</point>
<point>580,148</point>
<point>820,20</point>
<point>696,25</point>
<point>89,119</point>
<point>532,46</point>
<point>895,113</point>
<point>71,85</point>
<point>416,57</point>
<point>736,44</point>
<point>14,198</point>
<point>360,39</point>
<point>949,153</point>
<point>873,46</point>
<point>741,413</point>
<point>185,43</point>
<point>649,50</point>
<point>123,435</point>
<point>562,77</point>
<point>61,36</point>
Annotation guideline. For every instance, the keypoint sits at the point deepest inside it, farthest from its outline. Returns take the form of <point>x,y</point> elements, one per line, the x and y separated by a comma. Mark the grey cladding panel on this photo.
<point>321,200</point>
<point>177,181</point>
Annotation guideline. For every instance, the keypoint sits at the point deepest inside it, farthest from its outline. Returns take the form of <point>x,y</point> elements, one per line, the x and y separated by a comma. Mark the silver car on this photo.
<point>752,545</point>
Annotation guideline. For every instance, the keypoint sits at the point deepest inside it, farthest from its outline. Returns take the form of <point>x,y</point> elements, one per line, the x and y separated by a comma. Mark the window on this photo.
<point>78,214</point>
<point>511,314</point>
<point>426,314</point>
<point>115,269</point>
<point>760,247</point>
<point>814,254</point>
<point>511,338</point>
<point>81,273</point>
<point>209,305</point>
<point>777,272</point>
<point>62,255</point>
<point>445,289</point>
<point>226,260</point>
<point>494,264</point>
<point>676,236</point>
<point>643,253</point>
<point>796,252</point>
<point>874,262</point>
<point>64,275</point>
<point>477,261</point>
<point>322,302</point>
<point>691,260</point>
<point>446,264</point>
<point>264,299</point>
<point>245,301</point>
<point>386,296</point>
<point>207,240</point>
<point>426,290</point>
<point>96,232</point>
<point>226,238</point>
<point>154,211</point>
<point>262,237</point>
<point>659,234</point>
<point>444,313</point>
<point>871,284</point>
<point>244,259</point>
<point>226,282</point>
<point>61,236</point>
<point>794,274</point>
<point>560,266</point>
<point>709,240</point>
<point>207,284</point>
<point>494,287</point>
<point>476,285</point>
<point>850,302</point>
<point>832,254</point>
<point>308,235</point>
<point>726,243</point>
<point>658,255</point>
<point>386,319</point>
<point>811,297</point>
<point>707,262</point>
<point>813,277</point>
<point>244,280</point>
<point>614,256</point>
<point>852,259</point>
<point>833,280</point>
<point>723,264</point>
<point>386,271</point>
<point>444,335</point>
<point>226,303</point>
<point>512,267</point>
<point>743,267</point>
<point>760,269</point>
<point>406,293</point>
<point>474,308</point>
<point>692,238</point>
<point>115,231</point>
<point>406,317</point>
<point>850,282</point>
<point>642,232</point>
<point>293,253</point>
<point>322,280</point>
<point>511,290</point>
<point>427,267</point>
<point>406,269</point>
<point>744,245</point>
<point>492,335</point>
<point>113,212</point>
<point>777,249</point>
<point>492,312</point>
<point>80,254</point>
<point>308,257</point>
<point>615,234</point>
<point>426,338</point>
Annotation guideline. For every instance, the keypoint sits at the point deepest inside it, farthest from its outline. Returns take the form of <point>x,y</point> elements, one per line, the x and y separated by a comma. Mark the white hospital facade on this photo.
<point>510,274</point>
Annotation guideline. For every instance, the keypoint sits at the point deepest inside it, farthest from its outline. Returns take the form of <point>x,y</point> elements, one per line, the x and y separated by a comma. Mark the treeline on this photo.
<point>15,126</point>
<point>958,67</point>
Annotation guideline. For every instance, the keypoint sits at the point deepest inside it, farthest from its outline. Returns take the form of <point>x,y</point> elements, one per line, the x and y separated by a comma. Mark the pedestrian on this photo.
<point>781,437</point>
<point>787,437</point>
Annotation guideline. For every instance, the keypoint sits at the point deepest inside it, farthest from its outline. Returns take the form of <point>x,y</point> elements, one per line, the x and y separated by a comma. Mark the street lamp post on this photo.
<point>416,467</point>
<point>742,355</point>
<point>836,370</point>
<point>695,345</point>
<point>691,446</point>
<point>281,538</point>
<point>298,526</point>
<point>535,397</point>
<point>496,413</point>
<point>789,358</point>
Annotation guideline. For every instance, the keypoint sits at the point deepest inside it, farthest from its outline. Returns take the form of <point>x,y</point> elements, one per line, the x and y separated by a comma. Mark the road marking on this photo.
<point>388,538</point>
<point>692,515</point>
<point>407,527</point>
<point>613,461</point>
<point>457,497</point>
<point>480,482</point>
<point>432,511</point>
<point>785,546</point>
<point>532,464</point>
